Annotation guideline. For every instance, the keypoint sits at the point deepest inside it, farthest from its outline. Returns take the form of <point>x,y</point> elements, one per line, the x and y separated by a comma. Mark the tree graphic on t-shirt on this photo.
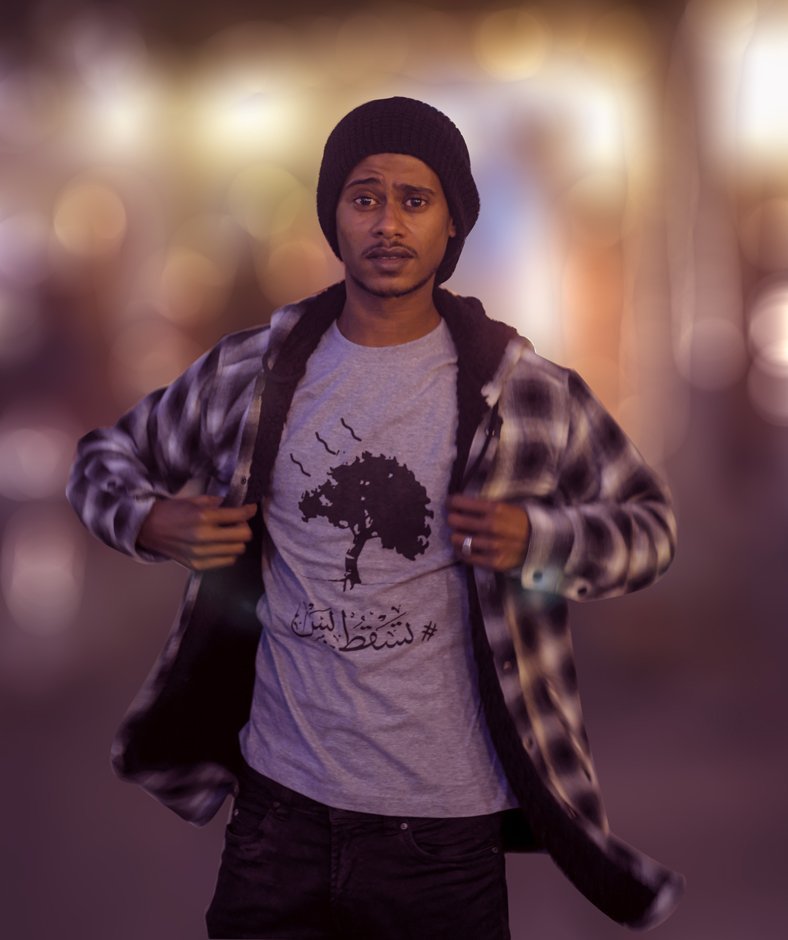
<point>373,497</point>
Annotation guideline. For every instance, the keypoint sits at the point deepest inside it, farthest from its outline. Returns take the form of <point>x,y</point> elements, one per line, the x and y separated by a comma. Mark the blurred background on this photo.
<point>158,163</point>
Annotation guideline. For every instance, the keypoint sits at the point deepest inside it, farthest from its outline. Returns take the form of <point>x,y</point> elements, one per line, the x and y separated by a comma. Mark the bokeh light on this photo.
<point>89,219</point>
<point>120,120</point>
<point>512,43</point>
<point>768,329</point>
<point>266,199</point>
<point>42,569</point>
<point>763,121</point>
<point>599,118</point>
<point>244,119</point>
<point>190,280</point>
<point>296,265</point>
<point>35,454</point>
<point>245,100</point>
<point>192,286</point>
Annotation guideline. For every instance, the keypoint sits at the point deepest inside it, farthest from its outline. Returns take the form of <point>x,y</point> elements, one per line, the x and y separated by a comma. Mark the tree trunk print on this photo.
<point>352,576</point>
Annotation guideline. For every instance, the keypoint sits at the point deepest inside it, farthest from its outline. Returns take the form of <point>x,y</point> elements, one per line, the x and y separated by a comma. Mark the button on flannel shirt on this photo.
<point>530,433</point>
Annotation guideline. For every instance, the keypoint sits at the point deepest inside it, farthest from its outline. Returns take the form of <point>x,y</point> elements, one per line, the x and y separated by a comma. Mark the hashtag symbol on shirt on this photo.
<point>429,631</point>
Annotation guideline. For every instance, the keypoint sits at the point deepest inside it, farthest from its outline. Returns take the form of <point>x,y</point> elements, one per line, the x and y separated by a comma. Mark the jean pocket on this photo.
<point>246,823</point>
<point>458,840</point>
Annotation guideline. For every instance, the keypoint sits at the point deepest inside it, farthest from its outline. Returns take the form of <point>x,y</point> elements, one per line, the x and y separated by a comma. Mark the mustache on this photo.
<point>397,249</point>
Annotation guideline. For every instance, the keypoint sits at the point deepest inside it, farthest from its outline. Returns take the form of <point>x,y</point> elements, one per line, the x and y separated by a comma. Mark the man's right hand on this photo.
<point>198,532</point>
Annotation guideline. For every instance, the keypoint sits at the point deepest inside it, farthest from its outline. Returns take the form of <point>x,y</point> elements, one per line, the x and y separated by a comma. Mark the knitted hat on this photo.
<point>400,125</point>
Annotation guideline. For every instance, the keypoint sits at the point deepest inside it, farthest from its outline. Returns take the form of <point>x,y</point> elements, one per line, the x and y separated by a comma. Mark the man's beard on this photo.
<point>392,291</point>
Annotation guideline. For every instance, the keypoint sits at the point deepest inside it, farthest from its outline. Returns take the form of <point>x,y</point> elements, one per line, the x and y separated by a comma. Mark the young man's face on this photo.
<point>393,224</point>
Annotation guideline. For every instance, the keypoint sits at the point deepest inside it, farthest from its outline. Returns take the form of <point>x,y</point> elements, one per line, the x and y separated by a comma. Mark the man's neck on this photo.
<point>369,320</point>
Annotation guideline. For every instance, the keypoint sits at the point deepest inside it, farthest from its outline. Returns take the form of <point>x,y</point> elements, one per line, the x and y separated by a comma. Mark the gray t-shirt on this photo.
<point>365,696</point>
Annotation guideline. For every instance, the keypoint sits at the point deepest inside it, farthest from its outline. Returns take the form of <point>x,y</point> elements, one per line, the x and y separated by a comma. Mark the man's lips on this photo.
<point>388,254</point>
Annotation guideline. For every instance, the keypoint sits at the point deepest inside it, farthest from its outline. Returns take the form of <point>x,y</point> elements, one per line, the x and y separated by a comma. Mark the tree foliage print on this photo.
<point>373,497</point>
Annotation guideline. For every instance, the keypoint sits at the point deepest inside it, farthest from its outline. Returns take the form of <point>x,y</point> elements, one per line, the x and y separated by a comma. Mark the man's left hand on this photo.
<point>488,533</point>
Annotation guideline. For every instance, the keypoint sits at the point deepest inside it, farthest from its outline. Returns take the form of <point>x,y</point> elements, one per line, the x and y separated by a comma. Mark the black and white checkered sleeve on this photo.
<point>610,529</point>
<point>150,452</point>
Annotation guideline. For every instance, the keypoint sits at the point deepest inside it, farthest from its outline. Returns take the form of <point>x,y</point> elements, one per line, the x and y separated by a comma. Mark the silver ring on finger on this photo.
<point>467,546</point>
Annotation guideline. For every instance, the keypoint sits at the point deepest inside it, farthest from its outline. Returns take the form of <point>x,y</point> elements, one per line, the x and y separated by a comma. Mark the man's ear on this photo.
<point>452,228</point>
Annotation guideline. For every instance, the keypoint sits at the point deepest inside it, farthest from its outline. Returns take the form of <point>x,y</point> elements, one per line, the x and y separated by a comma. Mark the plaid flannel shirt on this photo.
<point>601,526</point>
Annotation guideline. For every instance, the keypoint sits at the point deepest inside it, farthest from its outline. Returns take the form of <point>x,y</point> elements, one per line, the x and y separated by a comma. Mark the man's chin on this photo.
<point>394,287</point>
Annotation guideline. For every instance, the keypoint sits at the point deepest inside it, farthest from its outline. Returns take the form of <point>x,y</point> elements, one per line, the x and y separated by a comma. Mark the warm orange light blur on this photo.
<point>89,219</point>
<point>769,328</point>
<point>148,353</point>
<point>512,43</point>
<point>296,265</point>
<point>266,199</point>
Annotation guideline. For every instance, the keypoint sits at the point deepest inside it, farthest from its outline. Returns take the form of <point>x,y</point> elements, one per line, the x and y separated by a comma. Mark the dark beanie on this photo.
<point>400,125</point>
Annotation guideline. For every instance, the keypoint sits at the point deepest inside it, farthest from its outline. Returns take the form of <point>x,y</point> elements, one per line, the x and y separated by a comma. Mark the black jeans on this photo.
<point>295,868</point>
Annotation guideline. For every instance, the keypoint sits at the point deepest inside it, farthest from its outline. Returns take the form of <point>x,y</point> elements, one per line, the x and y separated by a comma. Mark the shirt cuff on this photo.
<point>550,542</point>
<point>128,522</point>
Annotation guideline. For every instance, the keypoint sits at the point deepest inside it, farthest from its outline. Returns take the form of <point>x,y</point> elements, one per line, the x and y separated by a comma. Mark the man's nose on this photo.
<point>388,222</point>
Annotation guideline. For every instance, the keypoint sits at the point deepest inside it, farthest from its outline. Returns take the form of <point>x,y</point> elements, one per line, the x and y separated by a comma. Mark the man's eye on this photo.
<point>416,202</point>
<point>364,201</point>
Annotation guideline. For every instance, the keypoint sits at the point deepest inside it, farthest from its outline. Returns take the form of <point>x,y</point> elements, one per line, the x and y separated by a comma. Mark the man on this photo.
<point>431,493</point>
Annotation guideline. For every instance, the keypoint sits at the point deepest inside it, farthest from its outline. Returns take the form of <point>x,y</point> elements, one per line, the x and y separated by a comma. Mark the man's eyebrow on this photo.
<point>404,187</point>
<point>363,182</point>
<point>413,188</point>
